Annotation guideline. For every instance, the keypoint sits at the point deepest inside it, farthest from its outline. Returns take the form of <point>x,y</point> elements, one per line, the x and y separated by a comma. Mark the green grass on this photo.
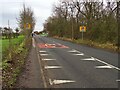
<point>14,41</point>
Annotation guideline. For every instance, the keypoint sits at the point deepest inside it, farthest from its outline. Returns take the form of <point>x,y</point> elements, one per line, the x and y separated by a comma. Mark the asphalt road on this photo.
<point>68,65</point>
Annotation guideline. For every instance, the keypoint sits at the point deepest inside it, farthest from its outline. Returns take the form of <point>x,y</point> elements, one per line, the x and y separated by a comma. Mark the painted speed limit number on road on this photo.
<point>82,28</point>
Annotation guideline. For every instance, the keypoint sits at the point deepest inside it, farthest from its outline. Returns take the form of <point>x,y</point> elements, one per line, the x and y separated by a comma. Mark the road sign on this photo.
<point>82,28</point>
<point>27,26</point>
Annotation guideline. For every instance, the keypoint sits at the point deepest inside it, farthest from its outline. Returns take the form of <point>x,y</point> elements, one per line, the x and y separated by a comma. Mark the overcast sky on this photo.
<point>9,10</point>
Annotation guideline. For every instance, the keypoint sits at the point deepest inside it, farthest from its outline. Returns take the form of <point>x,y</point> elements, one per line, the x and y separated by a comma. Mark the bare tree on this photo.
<point>26,21</point>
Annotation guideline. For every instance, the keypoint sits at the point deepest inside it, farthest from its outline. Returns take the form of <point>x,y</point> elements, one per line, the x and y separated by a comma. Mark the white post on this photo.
<point>82,35</point>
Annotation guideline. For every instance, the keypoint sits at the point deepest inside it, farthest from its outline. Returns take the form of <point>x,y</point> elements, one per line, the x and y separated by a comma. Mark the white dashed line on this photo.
<point>89,59</point>
<point>73,50</point>
<point>107,64</point>
<point>52,67</point>
<point>42,51</point>
<point>95,59</point>
<point>59,81</point>
<point>48,59</point>
<point>103,67</point>
<point>44,54</point>
<point>81,54</point>
<point>118,80</point>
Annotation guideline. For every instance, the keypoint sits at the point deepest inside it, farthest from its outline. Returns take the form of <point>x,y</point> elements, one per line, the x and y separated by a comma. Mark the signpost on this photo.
<point>27,26</point>
<point>82,30</point>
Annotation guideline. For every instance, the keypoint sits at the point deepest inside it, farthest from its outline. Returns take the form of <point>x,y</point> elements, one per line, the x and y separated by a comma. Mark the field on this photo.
<point>5,42</point>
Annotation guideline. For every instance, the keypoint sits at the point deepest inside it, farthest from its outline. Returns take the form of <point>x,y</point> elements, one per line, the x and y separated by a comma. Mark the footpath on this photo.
<point>31,75</point>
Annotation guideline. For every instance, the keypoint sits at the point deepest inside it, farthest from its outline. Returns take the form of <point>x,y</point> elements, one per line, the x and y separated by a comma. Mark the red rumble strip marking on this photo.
<point>43,45</point>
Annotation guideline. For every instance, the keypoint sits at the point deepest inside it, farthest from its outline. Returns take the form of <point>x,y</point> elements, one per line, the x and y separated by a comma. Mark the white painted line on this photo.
<point>89,59</point>
<point>42,51</point>
<point>108,64</point>
<point>103,67</point>
<point>59,81</point>
<point>42,72</point>
<point>44,54</point>
<point>73,50</point>
<point>51,44</point>
<point>81,54</point>
<point>48,59</point>
<point>52,67</point>
<point>118,80</point>
<point>33,42</point>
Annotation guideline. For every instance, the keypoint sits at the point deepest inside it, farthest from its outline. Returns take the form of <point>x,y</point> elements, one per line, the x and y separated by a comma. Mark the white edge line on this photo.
<point>33,42</point>
<point>108,64</point>
<point>42,74</point>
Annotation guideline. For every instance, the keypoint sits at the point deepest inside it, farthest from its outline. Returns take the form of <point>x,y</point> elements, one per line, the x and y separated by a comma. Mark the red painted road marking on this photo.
<point>43,45</point>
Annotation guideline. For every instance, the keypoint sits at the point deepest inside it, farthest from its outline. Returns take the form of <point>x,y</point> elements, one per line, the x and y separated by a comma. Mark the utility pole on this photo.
<point>72,30</point>
<point>118,21</point>
<point>72,23</point>
<point>9,36</point>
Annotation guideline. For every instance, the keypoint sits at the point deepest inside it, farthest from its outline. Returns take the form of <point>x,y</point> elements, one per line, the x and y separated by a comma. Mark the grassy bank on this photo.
<point>106,46</point>
<point>14,61</point>
<point>14,41</point>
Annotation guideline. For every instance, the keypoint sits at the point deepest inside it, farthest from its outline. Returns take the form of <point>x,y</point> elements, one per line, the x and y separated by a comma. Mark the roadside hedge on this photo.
<point>14,62</point>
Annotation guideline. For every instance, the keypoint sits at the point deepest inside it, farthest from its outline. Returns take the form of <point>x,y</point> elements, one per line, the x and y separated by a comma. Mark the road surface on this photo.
<point>68,65</point>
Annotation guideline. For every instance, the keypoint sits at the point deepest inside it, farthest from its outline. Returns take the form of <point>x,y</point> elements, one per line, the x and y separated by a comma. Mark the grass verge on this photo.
<point>13,63</point>
<point>106,46</point>
<point>14,41</point>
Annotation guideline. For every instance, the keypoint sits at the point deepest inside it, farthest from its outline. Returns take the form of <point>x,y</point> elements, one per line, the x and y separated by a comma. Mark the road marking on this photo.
<point>44,54</point>
<point>59,81</point>
<point>42,51</point>
<point>81,54</point>
<point>103,67</point>
<point>89,59</point>
<point>118,80</point>
<point>42,72</point>
<point>48,59</point>
<point>95,59</point>
<point>73,51</point>
<point>33,42</point>
<point>52,67</point>
<point>59,43</point>
<point>46,45</point>
<point>108,64</point>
